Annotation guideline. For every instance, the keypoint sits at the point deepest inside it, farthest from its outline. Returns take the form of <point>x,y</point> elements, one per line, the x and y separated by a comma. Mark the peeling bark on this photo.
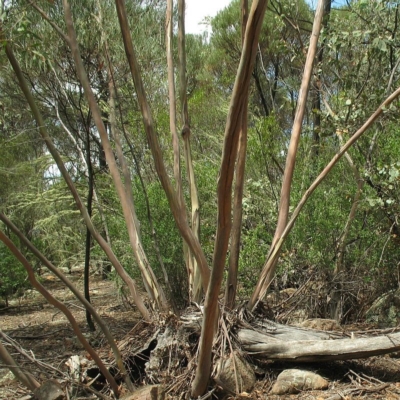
<point>124,194</point>
<point>231,282</point>
<point>224,192</point>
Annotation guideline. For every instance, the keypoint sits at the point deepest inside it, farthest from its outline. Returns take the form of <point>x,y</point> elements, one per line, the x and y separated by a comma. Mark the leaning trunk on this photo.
<point>60,164</point>
<point>269,267</point>
<point>178,212</point>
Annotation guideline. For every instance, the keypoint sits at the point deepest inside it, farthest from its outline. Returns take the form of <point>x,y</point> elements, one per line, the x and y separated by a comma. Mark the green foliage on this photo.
<point>13,277</point>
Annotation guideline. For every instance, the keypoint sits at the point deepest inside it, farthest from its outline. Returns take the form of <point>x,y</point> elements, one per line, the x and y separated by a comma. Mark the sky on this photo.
<point>197,10</point>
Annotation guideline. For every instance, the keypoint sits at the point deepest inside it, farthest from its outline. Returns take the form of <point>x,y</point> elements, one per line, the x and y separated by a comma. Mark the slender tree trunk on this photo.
<point>152,229</point>
<point>269,269</point>
<point>274,255</point>
<point>224,193</point>
<point>196,289</point>
<point>316,102</point>
<point>231,283</point>
<point>175,139</point>
<point>124,193</point>
<point>154,290</point>
<point>178,212</point>
<point>172,102</point>
<point>88,244</point>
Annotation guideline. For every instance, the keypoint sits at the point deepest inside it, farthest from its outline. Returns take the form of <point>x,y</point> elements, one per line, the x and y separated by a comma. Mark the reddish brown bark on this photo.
<point>224,192</point>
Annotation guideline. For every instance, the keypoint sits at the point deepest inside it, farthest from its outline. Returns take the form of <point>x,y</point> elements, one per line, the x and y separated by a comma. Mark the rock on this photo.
<point>385,311</point>
<point>50,390</point>
<point>151,392</point>
<point>74,365</point>
<point>295,380</point>
<point>236,369</point>
<point>320,324</point>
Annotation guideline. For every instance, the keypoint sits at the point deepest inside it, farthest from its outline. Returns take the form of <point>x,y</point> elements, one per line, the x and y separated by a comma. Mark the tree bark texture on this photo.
<point>224,192</point>
<point>231,282</point>
<point>150,281</point>
<point>261,346</point>
<point>196,289</point>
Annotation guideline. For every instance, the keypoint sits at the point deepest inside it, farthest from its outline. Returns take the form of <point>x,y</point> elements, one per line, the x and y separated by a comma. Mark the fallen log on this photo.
<point>319,350</point>
<point>280,332</point>
<point>269,340</point>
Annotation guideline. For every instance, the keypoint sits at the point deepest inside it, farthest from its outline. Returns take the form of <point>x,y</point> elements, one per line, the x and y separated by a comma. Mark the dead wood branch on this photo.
<point>326,350</point>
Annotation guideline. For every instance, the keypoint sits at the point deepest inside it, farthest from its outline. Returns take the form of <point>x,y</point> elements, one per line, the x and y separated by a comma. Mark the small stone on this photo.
<point>50,390</point>
<point>293,381</point>
<point>6,377</point>
<point>234,370</point>
<point>151,392</point>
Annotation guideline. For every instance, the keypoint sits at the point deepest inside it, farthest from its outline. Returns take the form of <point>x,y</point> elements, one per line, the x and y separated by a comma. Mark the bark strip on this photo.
<point>231,282</point>
<point>152,286</point>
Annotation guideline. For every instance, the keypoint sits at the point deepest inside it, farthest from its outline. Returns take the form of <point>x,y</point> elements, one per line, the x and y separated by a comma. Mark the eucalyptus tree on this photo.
<point>93,94</point>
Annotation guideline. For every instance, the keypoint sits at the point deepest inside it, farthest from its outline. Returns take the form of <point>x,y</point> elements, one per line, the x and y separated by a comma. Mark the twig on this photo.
<point>344,393</point>
<point>357,376</point>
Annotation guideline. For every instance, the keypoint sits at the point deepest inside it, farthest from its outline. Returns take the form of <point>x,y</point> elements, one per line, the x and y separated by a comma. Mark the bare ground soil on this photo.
<point>47,337</point>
